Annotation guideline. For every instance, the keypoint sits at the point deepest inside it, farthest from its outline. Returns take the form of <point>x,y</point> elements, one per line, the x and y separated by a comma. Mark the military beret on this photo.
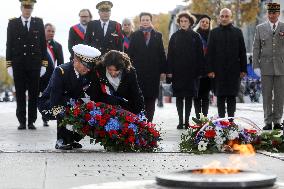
<point>28,2</point>
<point>273,7</point>
<point>88,55</point>
<point>104,5</point>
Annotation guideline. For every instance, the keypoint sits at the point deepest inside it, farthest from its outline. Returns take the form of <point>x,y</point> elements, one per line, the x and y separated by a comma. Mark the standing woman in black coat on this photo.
<point>147,53</point>
<point>114,82</point>
<point>201,102</point>
<point>185,59</point>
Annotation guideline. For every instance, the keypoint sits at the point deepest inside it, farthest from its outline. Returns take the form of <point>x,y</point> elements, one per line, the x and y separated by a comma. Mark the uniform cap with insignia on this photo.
<point>273,7</point>
<point>88,55</point>
<point>28,2</point>
<point>104,6</point>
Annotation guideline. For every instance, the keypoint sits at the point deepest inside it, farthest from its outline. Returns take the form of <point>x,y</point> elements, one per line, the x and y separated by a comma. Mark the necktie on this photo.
<point>274,28</point>
<point>104,24</point>
<point>26,26</point>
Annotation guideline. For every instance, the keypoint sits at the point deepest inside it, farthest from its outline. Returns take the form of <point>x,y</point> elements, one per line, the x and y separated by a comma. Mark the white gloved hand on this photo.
<point>42,71</point>
<point>257,71</point>
<point>10,71</point>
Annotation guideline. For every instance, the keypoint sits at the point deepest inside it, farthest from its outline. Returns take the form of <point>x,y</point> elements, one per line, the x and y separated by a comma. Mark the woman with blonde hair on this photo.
<point>201,102</point>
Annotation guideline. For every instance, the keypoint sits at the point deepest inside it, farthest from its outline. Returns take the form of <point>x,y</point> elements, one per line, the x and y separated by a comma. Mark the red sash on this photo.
<point>79,30</point>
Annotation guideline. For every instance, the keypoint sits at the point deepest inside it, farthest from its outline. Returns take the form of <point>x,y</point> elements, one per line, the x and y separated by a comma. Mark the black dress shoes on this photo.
<point>277,126</point>
<point>76,145</point>
<point>267,127</point>
<point>61,146</point>
<point>22,126</point>
<point>45,123</point>
<point>31,126</point>
<point>180,126</point>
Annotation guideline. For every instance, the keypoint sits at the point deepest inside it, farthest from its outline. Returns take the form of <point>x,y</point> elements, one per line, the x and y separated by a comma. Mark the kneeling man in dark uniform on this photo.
<point>68,81</point>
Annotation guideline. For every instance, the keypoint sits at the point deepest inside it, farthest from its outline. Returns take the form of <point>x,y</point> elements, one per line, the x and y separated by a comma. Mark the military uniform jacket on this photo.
<point>268,49</point>
<point>26,50</point>
<point>111,41</point>
<point>55,54</point>
<point>75,38</point>
<point>63,86</point>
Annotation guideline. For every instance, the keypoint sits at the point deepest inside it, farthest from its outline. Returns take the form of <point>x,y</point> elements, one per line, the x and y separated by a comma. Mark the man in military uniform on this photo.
<point>54,57</point>
<point>68,81</point>
<point>268,50</point>
<point>77,32</point>
<point>25,56</point>
<point>104,34</point>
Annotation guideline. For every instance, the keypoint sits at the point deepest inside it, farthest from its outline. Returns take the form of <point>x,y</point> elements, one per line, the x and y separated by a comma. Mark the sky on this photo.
<point>64,13</point>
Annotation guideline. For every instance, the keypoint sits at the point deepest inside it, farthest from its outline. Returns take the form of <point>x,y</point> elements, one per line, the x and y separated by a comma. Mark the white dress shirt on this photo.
<point>276,24</point>
<point>102,24</point>
<point>29,21</point>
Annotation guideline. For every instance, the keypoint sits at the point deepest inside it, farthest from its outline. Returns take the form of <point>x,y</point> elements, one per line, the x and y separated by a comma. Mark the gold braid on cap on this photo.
<point>87,59</point>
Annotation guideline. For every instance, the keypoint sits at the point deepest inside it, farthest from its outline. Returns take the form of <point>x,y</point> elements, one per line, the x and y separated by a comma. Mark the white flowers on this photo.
<point>202,146</point>
<point>233,134</point>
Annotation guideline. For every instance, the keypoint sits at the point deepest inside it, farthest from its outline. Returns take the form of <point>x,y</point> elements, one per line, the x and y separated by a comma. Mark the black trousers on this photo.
<point>179,105</point>
<point>149,108</point>
<point>26,80</point>
<point>68,136</point>
<point>231,105</point>
<point>201,104</point>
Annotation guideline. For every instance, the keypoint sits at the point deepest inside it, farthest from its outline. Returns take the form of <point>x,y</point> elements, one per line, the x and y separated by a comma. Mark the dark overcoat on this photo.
<point>185,60</point>
<point>76,36</point>
<point>58,54</point>
<point>148,60</point>
<point>227,59</point>
<point>128,95</point>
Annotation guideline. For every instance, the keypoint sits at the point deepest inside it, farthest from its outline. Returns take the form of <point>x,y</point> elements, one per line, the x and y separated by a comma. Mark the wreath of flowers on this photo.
<point>220,135</point>
<point>111,126</point>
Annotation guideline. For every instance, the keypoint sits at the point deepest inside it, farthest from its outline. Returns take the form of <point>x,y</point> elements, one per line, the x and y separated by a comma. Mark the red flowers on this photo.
<point>76,112</point>
<point>225,123</point>
<point>210,134</point>
<point>112,127</point>
<point>88,117</point>
<point>90,105</point>
<point>250,131</point>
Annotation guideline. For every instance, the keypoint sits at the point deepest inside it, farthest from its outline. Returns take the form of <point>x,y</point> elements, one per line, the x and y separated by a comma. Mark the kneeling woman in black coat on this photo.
<point>114,82</point>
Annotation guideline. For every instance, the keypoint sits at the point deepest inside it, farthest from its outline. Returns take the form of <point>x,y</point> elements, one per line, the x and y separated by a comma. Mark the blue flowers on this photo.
<point>112,124</point>
<point>95,112</point>
<point>133,127</point>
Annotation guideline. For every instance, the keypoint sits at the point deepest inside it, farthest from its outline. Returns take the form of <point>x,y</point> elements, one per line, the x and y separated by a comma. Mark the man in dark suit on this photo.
<point>68,81</point>
<point>227,62</point>
<point>77,32</point>
<point>54,57</point>
<point>26,58</point>
<point>104,34</point>
<point>147,53</point>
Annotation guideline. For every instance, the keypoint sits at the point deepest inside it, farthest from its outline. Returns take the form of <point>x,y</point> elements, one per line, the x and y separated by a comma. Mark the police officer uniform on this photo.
<point>67,83</point>
<point>104,36</point>
<point>268,50</point>
<point>25,55</point>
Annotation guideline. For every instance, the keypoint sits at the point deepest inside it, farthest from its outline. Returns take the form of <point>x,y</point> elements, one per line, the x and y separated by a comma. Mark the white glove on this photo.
<point>10,71</point>
<point>257,71</point>
<point>42,71</point>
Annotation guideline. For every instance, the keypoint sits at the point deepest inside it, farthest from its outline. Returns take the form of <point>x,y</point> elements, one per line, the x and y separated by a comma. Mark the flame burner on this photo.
<point>217,178</point>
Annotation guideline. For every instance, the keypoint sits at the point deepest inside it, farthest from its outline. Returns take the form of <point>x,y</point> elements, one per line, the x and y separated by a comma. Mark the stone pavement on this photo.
<point>28,158</point>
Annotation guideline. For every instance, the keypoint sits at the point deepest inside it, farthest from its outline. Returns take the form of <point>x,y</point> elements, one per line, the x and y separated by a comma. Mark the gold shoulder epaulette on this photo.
<point>62,71</point>
<point>12,18</point>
